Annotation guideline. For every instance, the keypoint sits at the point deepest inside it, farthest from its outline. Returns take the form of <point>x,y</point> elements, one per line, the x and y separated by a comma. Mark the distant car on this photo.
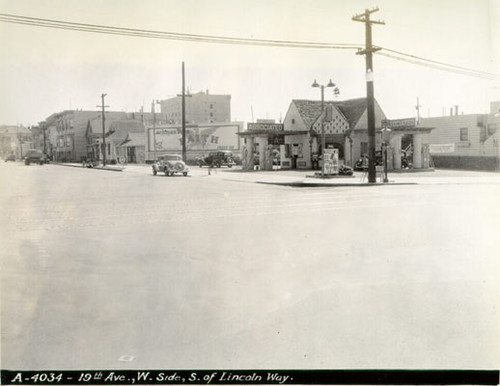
<point>35,156</point>
<point>217,159</point>
<point>170,164</point>
<point>10,157</point>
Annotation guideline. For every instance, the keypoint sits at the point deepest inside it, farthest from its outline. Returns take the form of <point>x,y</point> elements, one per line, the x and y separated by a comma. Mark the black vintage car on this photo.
<point>35,156</point>
<point>217,159</point>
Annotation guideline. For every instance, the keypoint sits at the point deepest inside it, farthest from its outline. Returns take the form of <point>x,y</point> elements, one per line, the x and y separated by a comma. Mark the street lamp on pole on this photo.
<point>336,92</point>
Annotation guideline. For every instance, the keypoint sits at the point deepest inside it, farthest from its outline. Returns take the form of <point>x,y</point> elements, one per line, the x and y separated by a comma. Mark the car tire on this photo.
<point>230,166</point>
<point>185,174</point>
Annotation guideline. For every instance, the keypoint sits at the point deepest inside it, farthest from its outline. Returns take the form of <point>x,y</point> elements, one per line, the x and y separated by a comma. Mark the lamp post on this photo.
<point>386,134</point>
<point>336,92</point>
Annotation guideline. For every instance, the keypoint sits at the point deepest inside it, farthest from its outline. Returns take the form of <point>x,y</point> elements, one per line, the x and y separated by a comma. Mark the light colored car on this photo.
<point>170,164</point>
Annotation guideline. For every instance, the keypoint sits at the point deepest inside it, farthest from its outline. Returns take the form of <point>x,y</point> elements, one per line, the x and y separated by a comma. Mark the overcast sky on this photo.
<point>43,70</point>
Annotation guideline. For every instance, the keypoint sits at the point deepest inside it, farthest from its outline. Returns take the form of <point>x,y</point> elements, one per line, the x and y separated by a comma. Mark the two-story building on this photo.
<point>466,141</point>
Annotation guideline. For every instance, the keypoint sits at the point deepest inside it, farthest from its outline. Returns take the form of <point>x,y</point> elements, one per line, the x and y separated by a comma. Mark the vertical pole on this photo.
<point>154,129</point>
<point>372,173</point>
<point>323,141</point>
<point>386,178</point>
<point>370,100</point>
<point>183,115</point>
<point>103,132</point>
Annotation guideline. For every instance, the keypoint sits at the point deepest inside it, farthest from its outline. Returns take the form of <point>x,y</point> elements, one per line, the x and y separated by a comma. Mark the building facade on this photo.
<point>466,141</point>
<point>67,132</point>
<point>200,139</point>
<point>116,133</point>
<point>201,107</point>
<point>343,126</point>
<point>16,140</point>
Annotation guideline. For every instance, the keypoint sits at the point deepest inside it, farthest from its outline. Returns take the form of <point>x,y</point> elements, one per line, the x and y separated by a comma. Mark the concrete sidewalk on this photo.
<point>306,178</point>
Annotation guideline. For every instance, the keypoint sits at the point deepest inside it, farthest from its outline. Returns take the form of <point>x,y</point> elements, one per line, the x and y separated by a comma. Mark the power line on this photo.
<point>477,74</point>
<point>436,64</point>
<point>50,23</point>
<point>152,34</point>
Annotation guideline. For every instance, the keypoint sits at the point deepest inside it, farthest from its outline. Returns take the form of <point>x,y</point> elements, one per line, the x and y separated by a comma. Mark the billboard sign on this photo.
<point>198,137</point>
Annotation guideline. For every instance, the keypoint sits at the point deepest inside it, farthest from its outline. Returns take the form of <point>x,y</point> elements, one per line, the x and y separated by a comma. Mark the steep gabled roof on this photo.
<point>118,130</point>
<point>351,109</point>
<point>308,110</point>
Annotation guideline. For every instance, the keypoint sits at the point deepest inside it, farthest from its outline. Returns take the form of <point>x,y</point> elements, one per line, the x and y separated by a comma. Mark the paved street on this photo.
<point>104,270</point>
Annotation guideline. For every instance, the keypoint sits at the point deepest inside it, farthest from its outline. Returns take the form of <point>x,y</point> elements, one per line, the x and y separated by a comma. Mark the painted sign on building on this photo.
<point>399,123</point>
<point>442,148</point>
<point>264,126</point>
<point>198,137</point>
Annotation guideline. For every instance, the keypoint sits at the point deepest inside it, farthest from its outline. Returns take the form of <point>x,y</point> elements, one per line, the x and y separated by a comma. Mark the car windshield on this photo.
<point>172,158</point>
<point>34,152</point>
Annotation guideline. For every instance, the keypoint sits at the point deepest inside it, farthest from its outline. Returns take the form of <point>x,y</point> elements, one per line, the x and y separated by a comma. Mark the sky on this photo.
<point>45,70</point>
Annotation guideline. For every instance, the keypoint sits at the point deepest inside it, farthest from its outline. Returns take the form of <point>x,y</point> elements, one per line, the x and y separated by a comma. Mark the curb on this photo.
<point>303,184</point>
<point>111,169</point>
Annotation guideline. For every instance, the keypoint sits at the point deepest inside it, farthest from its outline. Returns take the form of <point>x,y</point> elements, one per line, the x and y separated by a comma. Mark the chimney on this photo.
<point>207,91</point>
<point>451,111</point>
<point>495,107</point>
<point>456,109</point>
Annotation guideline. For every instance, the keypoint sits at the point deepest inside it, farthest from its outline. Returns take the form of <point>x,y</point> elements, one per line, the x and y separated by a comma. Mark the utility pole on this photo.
<point>183,115</point>
<point>103,130</point>
<point>370,100</point>
<point>183,96</point>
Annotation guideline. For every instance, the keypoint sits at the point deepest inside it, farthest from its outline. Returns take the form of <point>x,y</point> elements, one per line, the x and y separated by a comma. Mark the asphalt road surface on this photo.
<point>123,270</point>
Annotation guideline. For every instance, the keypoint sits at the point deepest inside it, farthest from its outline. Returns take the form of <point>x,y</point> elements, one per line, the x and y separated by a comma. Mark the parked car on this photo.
<point>217,159</point>
<point>35,156</point>
<point>345,170</point>
<point>10,157</point>
<point>170,164</point>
